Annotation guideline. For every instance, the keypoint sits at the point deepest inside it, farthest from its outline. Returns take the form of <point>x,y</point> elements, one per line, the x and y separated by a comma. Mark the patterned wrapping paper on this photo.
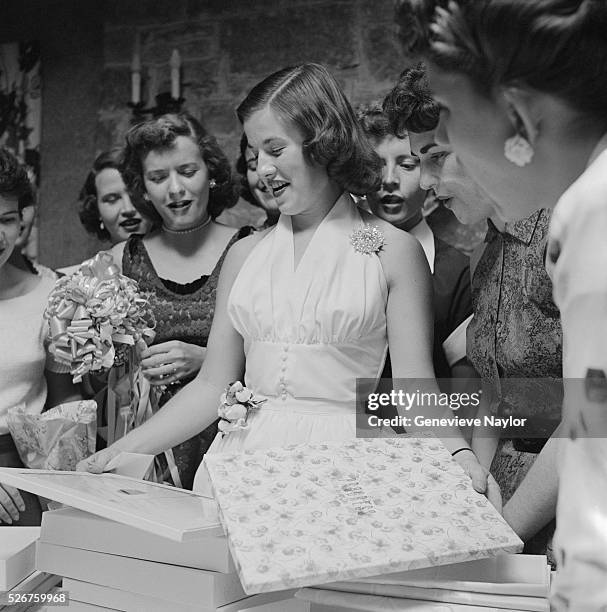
<point>316,513</point>
<point>56,439</point>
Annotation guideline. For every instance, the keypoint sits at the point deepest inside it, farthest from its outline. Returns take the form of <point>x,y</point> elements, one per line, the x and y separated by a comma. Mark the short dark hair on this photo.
<point>159,134</point>
<point>557,47</point>
<point>310,98</point>
<point>88,209</point>
<point>410,106</point>
<point>14,182</point>
<point>241,168</point>
<point>374,121</point>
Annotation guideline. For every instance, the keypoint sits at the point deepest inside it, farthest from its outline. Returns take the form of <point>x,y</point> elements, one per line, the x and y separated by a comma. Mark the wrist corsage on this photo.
<point>236,403</point>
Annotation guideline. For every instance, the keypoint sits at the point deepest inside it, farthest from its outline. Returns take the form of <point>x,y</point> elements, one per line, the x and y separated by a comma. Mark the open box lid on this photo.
<point>160,509</point>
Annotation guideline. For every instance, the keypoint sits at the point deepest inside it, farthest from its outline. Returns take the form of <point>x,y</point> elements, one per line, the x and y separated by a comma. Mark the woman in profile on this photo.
<point>522,91</point>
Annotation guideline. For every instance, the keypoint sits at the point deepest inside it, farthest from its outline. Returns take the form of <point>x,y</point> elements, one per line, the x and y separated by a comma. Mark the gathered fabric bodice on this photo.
<point>310,331</point>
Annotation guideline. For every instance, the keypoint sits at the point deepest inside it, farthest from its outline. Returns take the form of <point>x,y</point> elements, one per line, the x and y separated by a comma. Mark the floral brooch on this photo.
<point>236,403</point>
<point>368,239</point>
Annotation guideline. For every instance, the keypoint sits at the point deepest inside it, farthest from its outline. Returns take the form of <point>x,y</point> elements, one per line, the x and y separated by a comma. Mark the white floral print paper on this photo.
<point>315,513</point>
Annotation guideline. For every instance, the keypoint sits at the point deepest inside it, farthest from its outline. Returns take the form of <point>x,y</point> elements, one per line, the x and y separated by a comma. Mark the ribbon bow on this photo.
<point>91,310</point>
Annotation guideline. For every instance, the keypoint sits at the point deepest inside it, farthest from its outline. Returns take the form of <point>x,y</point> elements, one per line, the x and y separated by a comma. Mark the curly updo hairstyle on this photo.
<point>88,209</point>
<point>409,106</point>
<point>374,121</point>
<point>309,98</point>
<point>558,47</point>
<point>159,134</point>
<point>14,182</point>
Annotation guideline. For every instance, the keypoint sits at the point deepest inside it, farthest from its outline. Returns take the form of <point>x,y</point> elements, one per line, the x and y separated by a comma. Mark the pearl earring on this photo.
<point>101,225</point>
<point>518,150</point>
<point>212,183</point>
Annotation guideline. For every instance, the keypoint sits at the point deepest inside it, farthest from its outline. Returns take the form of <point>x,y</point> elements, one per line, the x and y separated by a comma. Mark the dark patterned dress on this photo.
<point>183,312</point>
<point>513,340</point>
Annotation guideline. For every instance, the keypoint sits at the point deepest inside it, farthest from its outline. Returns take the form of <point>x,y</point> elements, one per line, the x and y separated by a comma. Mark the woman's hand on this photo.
<point>482,481</point>
<point>171,361</point>
<point>11,503</point>
<point>95,464</point>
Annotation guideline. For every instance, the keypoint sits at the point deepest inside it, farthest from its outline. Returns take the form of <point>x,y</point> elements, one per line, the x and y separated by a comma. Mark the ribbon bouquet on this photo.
<point>98,323</point>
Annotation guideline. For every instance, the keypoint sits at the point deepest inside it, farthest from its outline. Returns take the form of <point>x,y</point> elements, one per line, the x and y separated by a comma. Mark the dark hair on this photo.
<point>410,106</point>
<point>14,182</point>
<point>557,47</point>
<point>88,209</point>
<point>159,134</point>
<point>241,168</point>
<point>308,97</point>
<point>374,121</point>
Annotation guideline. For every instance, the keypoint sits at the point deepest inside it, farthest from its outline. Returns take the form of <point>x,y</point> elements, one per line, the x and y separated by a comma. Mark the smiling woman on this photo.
<point>179,178</point>
<point>106,207</point>
<point>301,311</point>
<point>27,375</point>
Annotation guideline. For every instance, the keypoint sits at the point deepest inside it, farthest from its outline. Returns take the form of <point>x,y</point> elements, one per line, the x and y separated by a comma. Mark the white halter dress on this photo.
<point>309,333</point>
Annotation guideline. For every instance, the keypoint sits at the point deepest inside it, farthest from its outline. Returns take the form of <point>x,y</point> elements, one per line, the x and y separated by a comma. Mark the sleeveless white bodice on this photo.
<point>308,332</point>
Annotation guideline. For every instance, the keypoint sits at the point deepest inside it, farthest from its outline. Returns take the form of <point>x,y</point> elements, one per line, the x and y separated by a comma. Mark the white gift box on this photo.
<point>160,509</point>
<point>17,554</point>
<point>520,575</point>
<point>315,513</point>
<point>183,585</point>
<point>90,593</point>
<point>77,529</point>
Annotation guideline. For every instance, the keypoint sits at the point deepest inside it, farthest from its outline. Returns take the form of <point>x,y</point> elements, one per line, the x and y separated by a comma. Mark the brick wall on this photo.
<point>228,46</point>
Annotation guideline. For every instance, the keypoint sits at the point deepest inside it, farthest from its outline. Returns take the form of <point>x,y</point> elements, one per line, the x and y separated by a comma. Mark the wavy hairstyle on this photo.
<point>308,97</point>
<point>374,121</point>
<point>410,106</point>
<point>14,182</point>
<point>159,134</point>
<point>88,208</point>
<point>558,47</point>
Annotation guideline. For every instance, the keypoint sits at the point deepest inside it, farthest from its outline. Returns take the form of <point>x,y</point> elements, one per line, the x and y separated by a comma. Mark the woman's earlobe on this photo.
<point>521,112</point>
<point>518,148</point>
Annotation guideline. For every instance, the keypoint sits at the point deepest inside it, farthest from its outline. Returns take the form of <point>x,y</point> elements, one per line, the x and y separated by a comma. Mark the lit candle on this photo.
<point>175,64</point>
<point>136,74</point>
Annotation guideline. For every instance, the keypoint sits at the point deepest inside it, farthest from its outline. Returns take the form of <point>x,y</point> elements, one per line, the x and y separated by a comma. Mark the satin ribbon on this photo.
<point>93,309</point>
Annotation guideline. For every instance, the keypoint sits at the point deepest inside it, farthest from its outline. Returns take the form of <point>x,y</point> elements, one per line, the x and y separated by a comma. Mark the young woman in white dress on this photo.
<point>301,314</point>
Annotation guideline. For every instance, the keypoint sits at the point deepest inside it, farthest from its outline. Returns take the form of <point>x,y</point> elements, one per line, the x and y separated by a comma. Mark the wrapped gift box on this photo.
<point>315,513</point>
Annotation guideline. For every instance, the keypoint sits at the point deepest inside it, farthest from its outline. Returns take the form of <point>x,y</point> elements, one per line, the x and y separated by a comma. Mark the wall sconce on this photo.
<point>157,104</point>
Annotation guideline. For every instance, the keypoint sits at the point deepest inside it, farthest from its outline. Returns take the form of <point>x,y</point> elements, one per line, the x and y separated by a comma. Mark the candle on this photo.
<point>152,85</point>
<point>175,64</point>
<point>136,74</point>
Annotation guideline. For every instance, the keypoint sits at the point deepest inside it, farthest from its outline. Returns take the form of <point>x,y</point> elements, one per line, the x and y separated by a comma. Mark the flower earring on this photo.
<point>212,183</point>
<point>518,150</point>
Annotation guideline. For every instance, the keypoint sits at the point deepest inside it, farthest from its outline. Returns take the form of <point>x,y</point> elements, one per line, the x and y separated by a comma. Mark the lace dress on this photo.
<point>183,312</point>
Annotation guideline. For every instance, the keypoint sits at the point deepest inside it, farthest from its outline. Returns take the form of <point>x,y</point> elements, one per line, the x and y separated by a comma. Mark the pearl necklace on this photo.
<point>190,230</point>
